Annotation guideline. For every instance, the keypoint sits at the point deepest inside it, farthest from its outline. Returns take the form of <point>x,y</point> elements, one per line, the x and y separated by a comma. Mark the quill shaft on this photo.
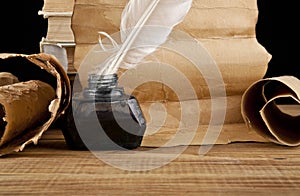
<point>131,37</point>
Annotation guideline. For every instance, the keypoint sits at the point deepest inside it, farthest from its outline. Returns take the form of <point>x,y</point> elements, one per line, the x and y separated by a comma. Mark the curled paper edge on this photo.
<point>57,106</point>
<point>263,115</point>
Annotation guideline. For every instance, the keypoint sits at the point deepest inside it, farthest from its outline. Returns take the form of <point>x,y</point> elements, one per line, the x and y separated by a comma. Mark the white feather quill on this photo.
<point>145,25</point>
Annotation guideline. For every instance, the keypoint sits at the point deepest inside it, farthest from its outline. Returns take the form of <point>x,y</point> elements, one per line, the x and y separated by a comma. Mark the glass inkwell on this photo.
<point>102,116</point>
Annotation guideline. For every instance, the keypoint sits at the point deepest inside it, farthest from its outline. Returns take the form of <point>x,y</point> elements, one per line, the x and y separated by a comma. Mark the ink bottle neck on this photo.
<point>103,87</point>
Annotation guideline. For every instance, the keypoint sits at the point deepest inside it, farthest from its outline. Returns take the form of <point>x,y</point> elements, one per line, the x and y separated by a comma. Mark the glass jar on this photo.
<point>103,117</point>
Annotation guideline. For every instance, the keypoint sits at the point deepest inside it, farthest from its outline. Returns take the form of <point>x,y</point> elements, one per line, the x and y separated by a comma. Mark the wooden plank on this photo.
<point>50,168</point>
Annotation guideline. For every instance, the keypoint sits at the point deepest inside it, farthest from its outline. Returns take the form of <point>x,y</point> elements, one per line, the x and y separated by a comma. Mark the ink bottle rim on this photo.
<point>104,88</point>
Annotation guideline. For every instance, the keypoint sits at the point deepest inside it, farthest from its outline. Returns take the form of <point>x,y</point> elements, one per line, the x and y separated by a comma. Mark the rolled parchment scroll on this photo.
<point>7,78</point>
<point>23,105</point>
<point>35,92</point>
<point>263,111</point>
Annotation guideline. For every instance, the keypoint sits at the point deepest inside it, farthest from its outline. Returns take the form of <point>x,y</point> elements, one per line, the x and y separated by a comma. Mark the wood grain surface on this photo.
<point>50,168</point>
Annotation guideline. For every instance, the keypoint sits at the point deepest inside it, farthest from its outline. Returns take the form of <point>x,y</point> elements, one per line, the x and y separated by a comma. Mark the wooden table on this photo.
<point>50,168</point>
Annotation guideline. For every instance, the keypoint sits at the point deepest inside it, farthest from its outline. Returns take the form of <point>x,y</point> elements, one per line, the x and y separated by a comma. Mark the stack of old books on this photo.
<point>226,30</point>
<point>59,40</point>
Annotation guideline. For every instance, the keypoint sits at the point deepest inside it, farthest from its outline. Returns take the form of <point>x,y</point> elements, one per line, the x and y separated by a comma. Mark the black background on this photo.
<point>22,29</point>
<point>277,30</point>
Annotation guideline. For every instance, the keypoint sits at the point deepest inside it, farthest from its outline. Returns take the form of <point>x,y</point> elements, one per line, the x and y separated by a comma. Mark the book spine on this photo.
<point>59,40</point>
